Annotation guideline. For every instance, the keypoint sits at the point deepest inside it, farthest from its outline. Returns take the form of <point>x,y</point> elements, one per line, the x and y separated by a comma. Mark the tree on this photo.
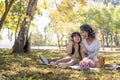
<point>8,5</point>
<point>37,39</point>
<point>62,18</point>
<point>22,43</point>
<point>116,25</point>
<point>17,14</point>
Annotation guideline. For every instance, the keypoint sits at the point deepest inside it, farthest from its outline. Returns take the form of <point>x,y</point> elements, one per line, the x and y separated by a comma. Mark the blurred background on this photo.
<point>55,20</point>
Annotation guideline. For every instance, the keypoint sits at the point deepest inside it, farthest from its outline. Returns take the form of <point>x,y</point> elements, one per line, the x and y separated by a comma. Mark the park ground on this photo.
<point>14,66</point>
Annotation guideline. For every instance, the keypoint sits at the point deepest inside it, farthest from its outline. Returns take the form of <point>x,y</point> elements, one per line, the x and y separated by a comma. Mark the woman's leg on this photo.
<point>100,63</point>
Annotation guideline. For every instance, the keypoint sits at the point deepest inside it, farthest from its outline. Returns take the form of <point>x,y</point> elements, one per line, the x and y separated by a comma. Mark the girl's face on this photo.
<point>84,34</point>
<point>76,39</point>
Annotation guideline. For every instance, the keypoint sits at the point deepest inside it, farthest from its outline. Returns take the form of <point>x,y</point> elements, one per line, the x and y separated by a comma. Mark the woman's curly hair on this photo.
<point>89,29</point>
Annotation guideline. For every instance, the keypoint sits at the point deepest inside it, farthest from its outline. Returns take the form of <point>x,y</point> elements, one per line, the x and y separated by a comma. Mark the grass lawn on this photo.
<point>27,67</point>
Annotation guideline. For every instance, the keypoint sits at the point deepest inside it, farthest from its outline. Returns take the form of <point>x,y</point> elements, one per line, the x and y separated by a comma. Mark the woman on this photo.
<point>91,43</point>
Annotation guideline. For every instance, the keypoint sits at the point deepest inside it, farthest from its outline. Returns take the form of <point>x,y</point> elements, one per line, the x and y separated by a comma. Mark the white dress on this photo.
<point>92,49</point>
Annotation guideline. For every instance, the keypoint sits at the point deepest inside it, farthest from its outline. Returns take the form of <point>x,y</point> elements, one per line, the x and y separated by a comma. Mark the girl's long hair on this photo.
<point>79,47</point>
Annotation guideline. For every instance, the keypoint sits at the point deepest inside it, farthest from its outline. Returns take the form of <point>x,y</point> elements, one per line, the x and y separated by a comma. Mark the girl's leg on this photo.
<point>68,64</point>
<point>43,59</point>
<point>71,63</point>
<point>53,59</point>
<point>48,60</point>
<point>65,59</point>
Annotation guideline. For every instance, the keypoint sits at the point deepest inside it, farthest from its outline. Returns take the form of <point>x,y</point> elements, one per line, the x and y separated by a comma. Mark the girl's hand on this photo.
<point>85,58</point>
<point>69,47</point>
<point>71,42</point>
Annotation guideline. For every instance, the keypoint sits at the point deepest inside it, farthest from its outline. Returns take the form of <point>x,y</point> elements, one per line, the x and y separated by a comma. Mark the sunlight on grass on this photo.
<point>28,67</point>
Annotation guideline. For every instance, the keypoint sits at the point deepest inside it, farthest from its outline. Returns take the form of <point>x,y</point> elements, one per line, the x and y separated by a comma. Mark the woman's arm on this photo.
<point>96,49</point>
<point>69,47</point>
<point>93,54</point>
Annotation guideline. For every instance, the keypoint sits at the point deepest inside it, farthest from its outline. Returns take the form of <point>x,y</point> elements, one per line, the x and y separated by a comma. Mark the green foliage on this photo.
<point>16,15</point>
<point>66,17</point>
<point>37,39</point>
<point>117,18</point>
<point>2,7</point>
<point>69,15</point>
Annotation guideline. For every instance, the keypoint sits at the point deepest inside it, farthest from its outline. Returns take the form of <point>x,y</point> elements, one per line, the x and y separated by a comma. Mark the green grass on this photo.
<point>15,66</point>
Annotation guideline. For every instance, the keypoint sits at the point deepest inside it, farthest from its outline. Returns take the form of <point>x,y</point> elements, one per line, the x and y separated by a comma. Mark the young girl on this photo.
<point>76,51</point>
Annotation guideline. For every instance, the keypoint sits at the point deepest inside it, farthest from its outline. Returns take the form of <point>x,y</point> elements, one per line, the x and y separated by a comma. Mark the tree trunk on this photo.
<point>10,34</point>
<point>7,9</point>
<point>58,41</point>
<point>17,29</point>
<point>103,41</point>
<point>111,39</point>
<point>61,40</point>
<point>45,39</point>
<point>22,43</point>
<point>45,36</point>
<point>103,38</point>
<point>116,41</point>
<point>107,43</point>
<point>21,40</point>
<point>18,22</point>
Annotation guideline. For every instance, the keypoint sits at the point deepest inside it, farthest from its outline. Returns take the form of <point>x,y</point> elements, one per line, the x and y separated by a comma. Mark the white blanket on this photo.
<point>113,66</point>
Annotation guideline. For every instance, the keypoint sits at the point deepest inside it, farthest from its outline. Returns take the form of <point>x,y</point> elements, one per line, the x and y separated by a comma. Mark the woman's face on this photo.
<point>76,39</point>
<point>84,34</point>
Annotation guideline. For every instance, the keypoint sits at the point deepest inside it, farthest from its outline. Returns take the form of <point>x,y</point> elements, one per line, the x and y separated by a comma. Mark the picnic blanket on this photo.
<point>77,67</point>
<point>111,66</point>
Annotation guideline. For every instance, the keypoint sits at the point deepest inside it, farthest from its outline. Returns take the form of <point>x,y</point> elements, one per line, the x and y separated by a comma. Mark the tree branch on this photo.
<point>11,2</point>
<point>6,4</point>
